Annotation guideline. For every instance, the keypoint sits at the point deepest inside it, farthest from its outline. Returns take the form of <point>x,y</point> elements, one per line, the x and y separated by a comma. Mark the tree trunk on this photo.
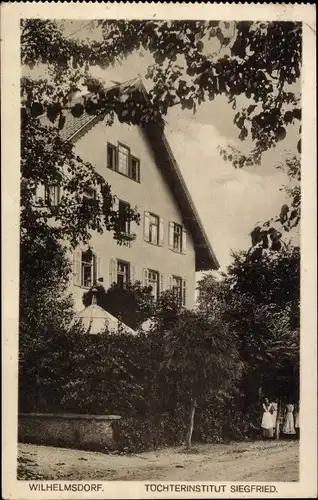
<point>191,424</point>
<point>279,409</point>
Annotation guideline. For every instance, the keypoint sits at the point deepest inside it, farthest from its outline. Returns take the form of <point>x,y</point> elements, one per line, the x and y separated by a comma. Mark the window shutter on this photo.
<point>161,232</point>
<point>171,227</point>
<point>146,226</point>
<point>77,260</point>
<point>161,283</point>
<point>132,274</point>
<point>145,277</point>
<point>40,193</point>
<point>115,204</point>
<point>184,292</point>
<point>94,269</point>
<point>184,241</point>
<point>116,155</point>
<point>112,271</point>
<point>98,268</point>
<point>170,282</point>
<point>60,193</point>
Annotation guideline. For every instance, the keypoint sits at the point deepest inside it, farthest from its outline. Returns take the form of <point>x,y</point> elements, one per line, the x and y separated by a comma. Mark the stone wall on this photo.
<point>86,432</point>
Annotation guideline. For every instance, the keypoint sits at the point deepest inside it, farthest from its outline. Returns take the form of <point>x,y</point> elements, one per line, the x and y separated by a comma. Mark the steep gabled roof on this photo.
<point>205,258</point>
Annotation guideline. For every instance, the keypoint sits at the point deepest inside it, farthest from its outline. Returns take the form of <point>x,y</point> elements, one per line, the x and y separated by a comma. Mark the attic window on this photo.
<point>120,160</point>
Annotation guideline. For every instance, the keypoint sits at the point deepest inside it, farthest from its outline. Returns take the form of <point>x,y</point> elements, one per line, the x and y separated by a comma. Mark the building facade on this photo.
<point>169,245</point>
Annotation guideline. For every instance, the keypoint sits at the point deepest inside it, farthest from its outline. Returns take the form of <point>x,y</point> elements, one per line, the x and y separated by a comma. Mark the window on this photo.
<point>52,195</point>
<point>123,160</point>
<point>120,160</point>
<point>111,156</point>
<point>135,169</point>
<point>154,229</point>
<point>123,272</point>
<point>87,269</point>
<point>177,237</point>
<point>178,287</point>
<point>153,282</point>
<point>124,224</point>
<point>48,195</point>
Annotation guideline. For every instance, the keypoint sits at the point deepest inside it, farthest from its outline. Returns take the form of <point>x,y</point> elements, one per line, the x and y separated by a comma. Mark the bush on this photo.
<point>137,434</point>
<point>122,374</point>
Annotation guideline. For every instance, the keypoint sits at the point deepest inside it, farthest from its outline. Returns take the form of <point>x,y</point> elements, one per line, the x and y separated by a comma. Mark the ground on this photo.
<point>250,461</point>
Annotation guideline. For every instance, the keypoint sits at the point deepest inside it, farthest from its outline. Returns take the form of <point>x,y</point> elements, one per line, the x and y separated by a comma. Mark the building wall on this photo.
<point>151,194</point>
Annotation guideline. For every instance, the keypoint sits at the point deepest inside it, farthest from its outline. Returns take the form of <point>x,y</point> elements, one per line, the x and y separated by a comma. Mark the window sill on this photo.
<point>123,175</point>
<point>177,251</point>
<point>154,244</point>
<point>83,287</point>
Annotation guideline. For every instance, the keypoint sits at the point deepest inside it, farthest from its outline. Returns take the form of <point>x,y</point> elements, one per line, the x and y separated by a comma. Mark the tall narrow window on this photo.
<point>177,288</point>
<point>123,272</point>
<point>123,209</point>
<point>52,195</point>
<point>153,282</point>
<point>154,229</point>
<point>87,269</point>
<point>111,156</point>
<point>177,237</point>
<point>123,159</point>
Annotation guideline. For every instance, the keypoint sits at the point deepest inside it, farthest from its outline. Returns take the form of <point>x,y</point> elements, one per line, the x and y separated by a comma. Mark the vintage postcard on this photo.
<point>159,260</point>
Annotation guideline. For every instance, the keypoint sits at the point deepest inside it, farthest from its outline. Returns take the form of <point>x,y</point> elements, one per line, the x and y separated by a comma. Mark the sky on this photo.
<point>230,202</point>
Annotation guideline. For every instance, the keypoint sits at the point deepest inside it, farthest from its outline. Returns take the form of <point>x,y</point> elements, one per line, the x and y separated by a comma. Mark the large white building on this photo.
<point>170,244</point>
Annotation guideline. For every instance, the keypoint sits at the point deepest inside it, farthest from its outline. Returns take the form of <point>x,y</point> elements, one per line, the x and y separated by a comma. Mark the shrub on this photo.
<point>137,434</point>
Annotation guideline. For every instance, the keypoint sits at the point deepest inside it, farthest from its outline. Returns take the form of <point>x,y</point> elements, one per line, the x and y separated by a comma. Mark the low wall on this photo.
<point>86,432</point>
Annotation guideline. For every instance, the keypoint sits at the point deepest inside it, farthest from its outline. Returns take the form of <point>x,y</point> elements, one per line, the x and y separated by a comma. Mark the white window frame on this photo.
<point>49,194</point>
<point>157,225</point>
<point>156,282</point>
<point>93,269</point>
<point>171,237</point>
<point>177,237</point>
<point>127,274</point>
<point>181,286</point>
<point>125,151</point>
<point>115,152</point>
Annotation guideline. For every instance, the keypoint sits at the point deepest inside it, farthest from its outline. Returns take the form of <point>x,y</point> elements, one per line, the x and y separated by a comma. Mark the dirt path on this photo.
<point>256,461</point>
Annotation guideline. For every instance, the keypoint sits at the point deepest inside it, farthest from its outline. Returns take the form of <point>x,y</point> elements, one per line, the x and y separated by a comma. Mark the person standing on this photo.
<point>267,419</point>
<point>289,425</point>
